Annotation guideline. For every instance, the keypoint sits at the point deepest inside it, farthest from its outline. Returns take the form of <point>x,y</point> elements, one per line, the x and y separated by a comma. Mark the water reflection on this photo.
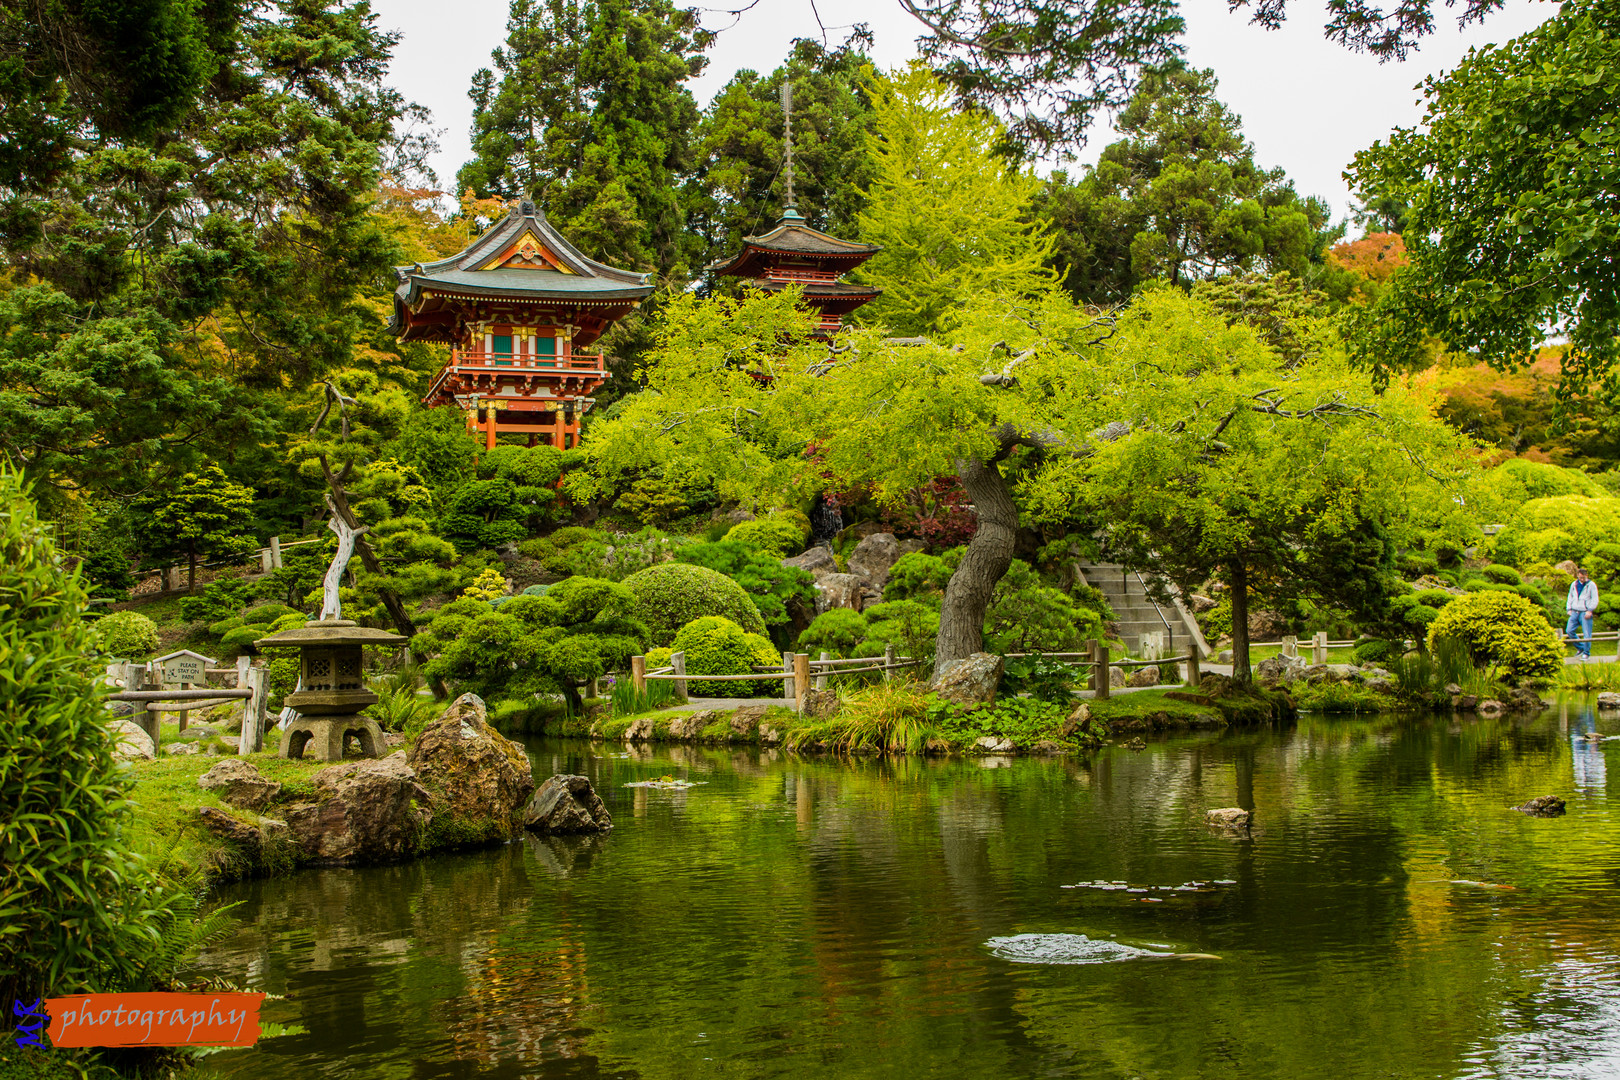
<point>1389,915</point>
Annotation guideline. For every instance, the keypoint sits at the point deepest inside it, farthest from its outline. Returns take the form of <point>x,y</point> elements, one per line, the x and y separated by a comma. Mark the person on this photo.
<point>1579,606</point>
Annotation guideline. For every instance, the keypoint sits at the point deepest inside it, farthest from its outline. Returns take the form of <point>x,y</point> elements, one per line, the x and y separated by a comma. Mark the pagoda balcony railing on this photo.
<point>476,358</point>
<point>782,273</point>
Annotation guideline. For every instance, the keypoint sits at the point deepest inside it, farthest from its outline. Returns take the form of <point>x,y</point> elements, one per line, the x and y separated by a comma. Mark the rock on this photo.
<point>1279,668</point>
<point>1116,677</point>
<point>1134,744</point>
<point>911,547</point>
<point>274,830</point>
<point>1594,736</point>
<point>816,561</point>
<point>736,516</point>
<point>639,731</point>
<point>871,559</point>
<point>369,811</point>
<point>181,748</point>
<point>130,741</point>
<point>1230,817</point>
<point>821,704</point>
<point>971,680</point>
<point>1567,567</point>
<point>229,829</point>
<point>1266,625</point>
<point>477,774</point>
<point>991,744</point>
<point>1465,702</point>
<point>1453,690</point>
<point>1330,673</point>
<point>936,745</point>
<point>1608,700</point>
<point>1199,603</point>
<point>689,726</point>
<point>838,591</point>
<point>1144,676</point>
<point>1223,657</point>
<point>393,740</point>
<point>859,531</point>
<point>235,741</point>
<point>238,783</point>
<point>746,719</point>
<point>1490,707</point>
<point>1525,699</point>
<point>1543,806</point>
<point>1380,686</point>
<point>120,708</point>
<point>566,804</point>
<point>769,736</point>
<point>1076,720</point>
<point>1048,747</point>
<point>202,732</point>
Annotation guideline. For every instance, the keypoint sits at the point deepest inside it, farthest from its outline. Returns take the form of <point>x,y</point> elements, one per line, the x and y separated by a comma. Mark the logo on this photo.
<point>151,1019</point>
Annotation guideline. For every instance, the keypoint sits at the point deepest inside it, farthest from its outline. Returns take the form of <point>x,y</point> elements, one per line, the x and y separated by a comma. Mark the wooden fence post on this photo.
<point>638,673</point>
<point>801,679</point>
<point>677,661</point>
<point>888,661</point>
<point>1290,646</point>
<point>1102,674</point>
<point>821,678</point>
<point>787,683</point>
<point>1319,647</point>
<point>1193,676</point>
<point>275,553</point>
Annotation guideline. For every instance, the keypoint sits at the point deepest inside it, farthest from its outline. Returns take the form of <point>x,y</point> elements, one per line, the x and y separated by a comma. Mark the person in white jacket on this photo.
<point>1579,606</point>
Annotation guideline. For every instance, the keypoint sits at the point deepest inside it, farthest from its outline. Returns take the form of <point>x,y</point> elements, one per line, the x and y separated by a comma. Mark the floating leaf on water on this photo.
<point>1076,949</point>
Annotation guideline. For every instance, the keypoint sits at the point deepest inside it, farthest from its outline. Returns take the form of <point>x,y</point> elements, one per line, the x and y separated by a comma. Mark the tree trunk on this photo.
<point>989,553</point>
<point>191,571</point>
<point>1237,578</point>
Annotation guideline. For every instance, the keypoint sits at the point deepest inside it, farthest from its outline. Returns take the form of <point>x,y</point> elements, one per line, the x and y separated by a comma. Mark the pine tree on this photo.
<point>951,217</point>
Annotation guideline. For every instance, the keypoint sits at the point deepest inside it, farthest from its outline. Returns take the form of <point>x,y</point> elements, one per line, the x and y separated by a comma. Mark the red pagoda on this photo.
<point>794,253</point>
<point>516,308</point>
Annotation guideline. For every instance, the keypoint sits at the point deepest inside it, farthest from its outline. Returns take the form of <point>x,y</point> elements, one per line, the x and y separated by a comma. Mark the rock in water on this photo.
<point>1230,817</point>
<point>567,804</point>
<point>239,784</point>
<point>130,741</point>
<point>970,681</point>
<point>994,744</point>
<point>478,777</point>
<point>369,811</point>
<point>640,730</point>
<point>1076,949</point>
<point>1543,806</point>
<point>746,719</point>
<point>1608,700</point>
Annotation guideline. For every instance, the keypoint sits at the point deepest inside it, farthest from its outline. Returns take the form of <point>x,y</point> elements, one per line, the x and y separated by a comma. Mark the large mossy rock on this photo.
<point>238,783</point>
<point>567,804</point>
<point>367,811</point>
<point>479,779</point>
<point>971,680</point>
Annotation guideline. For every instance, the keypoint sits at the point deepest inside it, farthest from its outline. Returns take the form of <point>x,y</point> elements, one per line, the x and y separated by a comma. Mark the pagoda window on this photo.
<point>501,346</point>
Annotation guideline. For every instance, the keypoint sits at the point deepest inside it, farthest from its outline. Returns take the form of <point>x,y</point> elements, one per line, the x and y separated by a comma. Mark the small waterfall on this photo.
<point>826,521</point>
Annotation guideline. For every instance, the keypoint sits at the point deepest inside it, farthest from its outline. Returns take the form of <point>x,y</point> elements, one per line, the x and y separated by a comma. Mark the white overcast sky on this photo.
<point>1306,104</point>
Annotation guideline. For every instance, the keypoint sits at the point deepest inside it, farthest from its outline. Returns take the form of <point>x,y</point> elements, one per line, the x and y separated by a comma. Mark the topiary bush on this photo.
<point>670,595</point>
<point>776,588</point>
<point>779,535</point>
<point>1557,528</point>
<point>128,635</point>
<point>1504,629</point>
<point>715,645</point>
<point>837,631</point>
<point>1435,598</point>
<point>1416,564</point>
<point>1502,575</point>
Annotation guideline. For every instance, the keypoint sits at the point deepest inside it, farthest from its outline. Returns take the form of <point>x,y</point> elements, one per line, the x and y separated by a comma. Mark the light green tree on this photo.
<point>202,514</point>
<point>951,217</point>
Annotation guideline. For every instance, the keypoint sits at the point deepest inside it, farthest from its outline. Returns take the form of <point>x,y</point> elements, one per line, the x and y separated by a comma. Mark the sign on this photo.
<point>184,667</point>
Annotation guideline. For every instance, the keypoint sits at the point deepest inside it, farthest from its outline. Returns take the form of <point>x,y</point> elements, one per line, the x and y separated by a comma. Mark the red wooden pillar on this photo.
<point>489,429</point>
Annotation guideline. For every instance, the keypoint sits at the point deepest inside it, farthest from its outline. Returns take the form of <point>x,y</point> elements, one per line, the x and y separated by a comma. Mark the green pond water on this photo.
<point>1389,916</point>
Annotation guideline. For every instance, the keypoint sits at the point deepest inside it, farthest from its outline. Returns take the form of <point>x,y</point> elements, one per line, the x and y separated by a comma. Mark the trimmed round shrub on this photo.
<point>836,630</point>
<point>1435,598</point>
<point>670,595</point>
<point>776,534</point>
<point>1421,615</point>
<point>1502,575</point>
<point>1374,651</point>
<point>1416,564</point>
<point>1502,628</point>
<point>714,645</point>
<point>659,657</point>
<point>127,635</point>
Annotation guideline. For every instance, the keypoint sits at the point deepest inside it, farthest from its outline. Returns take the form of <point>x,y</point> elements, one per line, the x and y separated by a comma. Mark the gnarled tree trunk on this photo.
<point>989,553</point>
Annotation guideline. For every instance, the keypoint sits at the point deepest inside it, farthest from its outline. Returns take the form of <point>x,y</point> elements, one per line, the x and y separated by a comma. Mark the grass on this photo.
<point>1339,654</point>
<point>1340,697</point>
<point>1594,676</point>
<point>1148,703</point>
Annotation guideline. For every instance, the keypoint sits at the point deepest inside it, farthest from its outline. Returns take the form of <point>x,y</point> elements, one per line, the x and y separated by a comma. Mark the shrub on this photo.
<point>1502,575</point>
<point>218,600</point>
<point>127,635</point>
<point>1502,628</point>
<point>670,595</point>
<point>1603,561</point>
<point>837,631</point>
<point>488,585</point>
<point>1416,564</point>
<point>919,575</point>
<point>777,535</point>
<point>1435,598</point>
<point>911,626</point>
<point>659,657</point>
<point>714,645</point>
<point>1447,553</point>
<point>1374,651</point>
<point>773,586</point>
<point>1557,528</point>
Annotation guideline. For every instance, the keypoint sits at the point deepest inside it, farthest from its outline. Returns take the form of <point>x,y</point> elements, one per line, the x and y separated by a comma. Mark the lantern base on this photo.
<point>323,737</point>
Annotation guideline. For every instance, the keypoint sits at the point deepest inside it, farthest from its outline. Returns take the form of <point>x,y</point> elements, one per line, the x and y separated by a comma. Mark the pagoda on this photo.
<point>517,308</point>
<point>795,254</point>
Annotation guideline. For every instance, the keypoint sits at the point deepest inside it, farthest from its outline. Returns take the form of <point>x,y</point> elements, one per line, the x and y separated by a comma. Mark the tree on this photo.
<point>951,218</point>
<point>1283,479</point>
<point>1513,223</point>
<point>592,119</point>
<point>202,514</point>
<point>778,591</point>
<point>1178,198</point>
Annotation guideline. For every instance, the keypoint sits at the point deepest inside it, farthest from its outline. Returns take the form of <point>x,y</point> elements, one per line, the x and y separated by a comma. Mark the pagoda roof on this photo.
<point>520,257</point>
<point>792,237</point>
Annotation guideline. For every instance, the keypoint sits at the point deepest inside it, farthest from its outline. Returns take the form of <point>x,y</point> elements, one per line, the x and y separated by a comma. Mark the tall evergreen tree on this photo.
<point>952,218</point>
<point>1179,198</point>
<point>592,119</point>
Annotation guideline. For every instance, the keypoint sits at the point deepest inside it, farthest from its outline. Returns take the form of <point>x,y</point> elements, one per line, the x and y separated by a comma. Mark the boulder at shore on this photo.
<point>479,779</point>
<point>369,811</point>
<point>567,804</point>
<point>971,680</point>
<point>238,783</point>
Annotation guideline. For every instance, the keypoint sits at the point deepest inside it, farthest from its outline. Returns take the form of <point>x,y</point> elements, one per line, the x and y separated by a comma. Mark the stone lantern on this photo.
<point>331,691</point>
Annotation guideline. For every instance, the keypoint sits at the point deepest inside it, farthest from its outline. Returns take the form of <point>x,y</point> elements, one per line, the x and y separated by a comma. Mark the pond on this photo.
<point>1389,916</point>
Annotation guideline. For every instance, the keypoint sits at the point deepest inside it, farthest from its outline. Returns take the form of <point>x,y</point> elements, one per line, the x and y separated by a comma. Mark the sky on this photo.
<point>1306,104</point>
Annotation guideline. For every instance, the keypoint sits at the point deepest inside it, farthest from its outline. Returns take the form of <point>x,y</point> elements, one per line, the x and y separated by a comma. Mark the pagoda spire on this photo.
<point>791,211</point>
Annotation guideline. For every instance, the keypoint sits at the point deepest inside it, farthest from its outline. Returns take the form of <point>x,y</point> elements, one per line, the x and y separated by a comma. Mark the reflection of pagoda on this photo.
<point>795,254</point>
<point>515,307</point>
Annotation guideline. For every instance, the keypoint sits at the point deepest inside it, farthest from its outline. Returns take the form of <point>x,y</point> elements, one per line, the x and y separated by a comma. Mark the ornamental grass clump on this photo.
<point>1504,630</point>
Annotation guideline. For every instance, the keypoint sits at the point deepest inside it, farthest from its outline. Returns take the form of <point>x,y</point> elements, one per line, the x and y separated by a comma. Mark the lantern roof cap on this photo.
<point>330,632</point>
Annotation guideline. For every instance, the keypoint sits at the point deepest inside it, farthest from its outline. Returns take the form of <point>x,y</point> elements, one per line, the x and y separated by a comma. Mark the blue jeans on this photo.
<point>1584,618</point>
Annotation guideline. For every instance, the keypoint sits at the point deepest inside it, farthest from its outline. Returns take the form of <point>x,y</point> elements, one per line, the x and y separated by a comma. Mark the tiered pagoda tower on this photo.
<point>794,253</point>
<point>517,307</point>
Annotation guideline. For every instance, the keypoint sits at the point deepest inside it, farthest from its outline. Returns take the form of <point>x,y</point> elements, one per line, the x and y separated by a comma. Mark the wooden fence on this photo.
<point>173,578</point>
<point>143,688</point>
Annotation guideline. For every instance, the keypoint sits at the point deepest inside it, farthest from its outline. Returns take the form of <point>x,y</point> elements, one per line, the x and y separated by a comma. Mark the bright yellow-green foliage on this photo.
<point>776,534</point>
<point>717,646</point>
<point>1557,528</point>
<point>488,585</point>
<point>1502,628</point>
<point>952,220</point>
<point>670,595</point>
<point>1516,481</point>
<point>128,635</point>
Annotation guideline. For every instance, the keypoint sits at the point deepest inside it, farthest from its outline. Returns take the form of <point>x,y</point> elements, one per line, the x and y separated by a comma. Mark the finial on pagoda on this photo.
<point>790,213</point>
<point>526,208</point>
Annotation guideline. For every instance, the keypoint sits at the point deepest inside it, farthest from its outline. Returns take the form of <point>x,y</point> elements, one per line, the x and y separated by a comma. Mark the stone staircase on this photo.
<point>1137,614</point>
